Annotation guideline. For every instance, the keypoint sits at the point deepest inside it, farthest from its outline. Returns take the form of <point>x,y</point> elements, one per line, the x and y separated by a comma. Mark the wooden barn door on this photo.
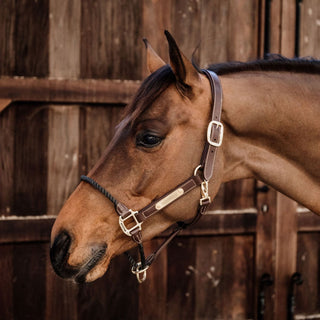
<point>237,260</point>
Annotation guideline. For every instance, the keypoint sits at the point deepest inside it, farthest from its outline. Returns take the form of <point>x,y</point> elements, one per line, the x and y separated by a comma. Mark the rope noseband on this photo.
<point>201,176</point>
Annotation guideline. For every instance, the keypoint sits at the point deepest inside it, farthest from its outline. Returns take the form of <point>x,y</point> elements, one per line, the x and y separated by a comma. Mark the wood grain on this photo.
<point>68,90</point>
<point>30,160</point>
<point>31,40</point>
<point>111,43</point>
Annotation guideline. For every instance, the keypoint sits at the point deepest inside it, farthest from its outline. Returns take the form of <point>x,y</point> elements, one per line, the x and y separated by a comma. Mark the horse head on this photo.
<point>156,146</point>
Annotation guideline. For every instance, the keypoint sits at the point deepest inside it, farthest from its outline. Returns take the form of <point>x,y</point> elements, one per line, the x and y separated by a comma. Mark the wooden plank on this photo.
<point>218,223</point>
<point>226,278</point>
<point>61,296</point>
<point>265,246</point>
<point>309,30</point>
<point>111,43</point>
<point>29,280</point>
<point>63,128</point>
<point>308,294</point>
<point>30,160</point>
<point>4,103</point>
<point>155,287</point>
<point>286,252</point>
<point>64,44</point>
<point>308,221</point>
<point>7,32</point>
<point>181,278</point>
<point>31,39</point>
<point>114,296</point>
<point>288,19</point>
<point>25,229</point>
<point>63,155</point>
<point>68,90</point>
<point>275,26</point>
<point>6,160</point>
<point>6,278</point>
<point>239,194</point>
<point>229,31</point>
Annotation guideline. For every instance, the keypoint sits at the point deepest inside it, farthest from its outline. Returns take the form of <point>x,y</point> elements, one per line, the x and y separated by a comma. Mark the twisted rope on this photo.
<point>97,186</point>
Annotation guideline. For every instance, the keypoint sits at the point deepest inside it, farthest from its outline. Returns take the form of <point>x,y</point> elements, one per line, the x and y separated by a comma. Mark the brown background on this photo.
<point>59,122</point>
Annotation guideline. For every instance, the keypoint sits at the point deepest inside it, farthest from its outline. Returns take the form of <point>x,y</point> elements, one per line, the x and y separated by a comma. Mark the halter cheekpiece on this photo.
<point>201,177</point>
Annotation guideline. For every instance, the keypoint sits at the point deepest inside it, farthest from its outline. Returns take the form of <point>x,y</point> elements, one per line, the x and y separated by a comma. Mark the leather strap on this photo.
<point>202,175</point>
<point>209,152</point>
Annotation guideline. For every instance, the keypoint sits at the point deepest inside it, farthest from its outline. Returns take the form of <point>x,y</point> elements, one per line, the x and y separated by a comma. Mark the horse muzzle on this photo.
<point>60,254</point>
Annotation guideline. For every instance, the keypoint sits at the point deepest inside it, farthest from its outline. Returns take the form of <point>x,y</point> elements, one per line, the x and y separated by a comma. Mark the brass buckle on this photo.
<point>135,220</point>
<point>140,274</point>
<point>217,125</point>
<point>205,200</point>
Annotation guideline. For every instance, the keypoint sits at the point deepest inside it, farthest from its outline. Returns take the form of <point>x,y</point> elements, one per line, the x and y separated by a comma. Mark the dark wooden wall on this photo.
<point>58,123</point>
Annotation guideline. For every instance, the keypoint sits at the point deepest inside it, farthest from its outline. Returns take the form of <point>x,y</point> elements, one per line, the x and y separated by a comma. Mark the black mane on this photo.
<point>271,63</point>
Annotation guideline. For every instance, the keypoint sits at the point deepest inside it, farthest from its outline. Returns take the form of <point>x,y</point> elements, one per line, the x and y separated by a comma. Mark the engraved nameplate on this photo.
<point>169,198</point>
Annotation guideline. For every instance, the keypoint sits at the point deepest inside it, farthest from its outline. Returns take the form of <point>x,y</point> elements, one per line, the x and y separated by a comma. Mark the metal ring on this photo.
<point>196,169</point>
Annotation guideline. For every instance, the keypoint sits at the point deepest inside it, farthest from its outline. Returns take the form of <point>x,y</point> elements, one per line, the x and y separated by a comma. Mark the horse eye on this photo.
<point>148,140</point>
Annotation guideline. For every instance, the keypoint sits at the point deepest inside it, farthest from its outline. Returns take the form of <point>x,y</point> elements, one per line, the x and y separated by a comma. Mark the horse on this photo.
<point>178,142</point>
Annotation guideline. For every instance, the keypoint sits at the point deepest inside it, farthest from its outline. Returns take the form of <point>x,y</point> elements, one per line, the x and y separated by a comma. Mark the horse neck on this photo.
<point>272,131</point>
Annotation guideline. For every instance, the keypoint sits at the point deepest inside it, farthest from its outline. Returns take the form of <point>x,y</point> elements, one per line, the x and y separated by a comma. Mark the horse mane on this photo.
<point>273,62</point>
<point>160,80</point>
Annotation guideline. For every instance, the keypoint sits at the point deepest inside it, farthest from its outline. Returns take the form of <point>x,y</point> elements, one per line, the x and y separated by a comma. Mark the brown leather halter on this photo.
<point>201,176</point>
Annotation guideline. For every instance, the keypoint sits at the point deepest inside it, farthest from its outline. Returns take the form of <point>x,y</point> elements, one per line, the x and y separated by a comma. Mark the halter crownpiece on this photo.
<point>201,177</point>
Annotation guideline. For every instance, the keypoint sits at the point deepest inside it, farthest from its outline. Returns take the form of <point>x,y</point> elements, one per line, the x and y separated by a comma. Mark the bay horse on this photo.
<point>155,162</point>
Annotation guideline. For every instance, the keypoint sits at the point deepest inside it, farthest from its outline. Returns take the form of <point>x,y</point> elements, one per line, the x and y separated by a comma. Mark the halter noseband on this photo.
<point>201,176</point>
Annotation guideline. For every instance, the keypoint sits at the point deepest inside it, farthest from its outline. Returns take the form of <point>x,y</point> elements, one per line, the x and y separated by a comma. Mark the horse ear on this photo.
<point>182,67</point>
<point>154,62</point>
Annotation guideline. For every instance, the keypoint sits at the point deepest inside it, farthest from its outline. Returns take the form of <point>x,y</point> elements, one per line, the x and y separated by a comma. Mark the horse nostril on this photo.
<point>59,254</point>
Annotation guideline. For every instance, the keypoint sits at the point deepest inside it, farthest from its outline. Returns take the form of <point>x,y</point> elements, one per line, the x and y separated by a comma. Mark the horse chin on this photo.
<point>95,273</point>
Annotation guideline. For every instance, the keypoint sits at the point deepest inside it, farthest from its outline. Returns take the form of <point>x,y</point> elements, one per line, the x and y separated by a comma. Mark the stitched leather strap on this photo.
<point>209,152</point>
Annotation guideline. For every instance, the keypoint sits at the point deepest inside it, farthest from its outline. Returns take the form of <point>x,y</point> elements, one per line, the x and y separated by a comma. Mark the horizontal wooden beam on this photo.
<point>68,90</point>
<point>25,229</point>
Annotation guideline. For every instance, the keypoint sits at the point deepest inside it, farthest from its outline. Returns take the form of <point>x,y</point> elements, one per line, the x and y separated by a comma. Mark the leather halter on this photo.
<point>201,176</point>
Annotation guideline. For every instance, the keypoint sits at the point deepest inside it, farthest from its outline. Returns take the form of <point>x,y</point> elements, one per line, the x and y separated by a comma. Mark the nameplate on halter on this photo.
<point>169,198</point>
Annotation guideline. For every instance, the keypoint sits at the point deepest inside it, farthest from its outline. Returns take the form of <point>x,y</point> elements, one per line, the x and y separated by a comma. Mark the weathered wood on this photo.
<point>111,43</point>
<point>214,223</point>
<point>29,280</point>
<point>4,103</point>
<point>63,155</point>
<point>309,30</point>
<point>288,28</point>
<point>104,299</point>
<point>61,297</point>
<point>31,40</point>
<point>265,246</point>
<point>286,252</point>
<point>6,278</point>
<point>68,90</point>
<point>64,45</point>
<point>308,295</point>
<point>25,229</point>
<point>155,289</point>
<point>308,221</point>
<point>7,37</point>
<point>220,23</point>
<point>181,294</point>
<point>30,160</point>
<point>226,279</point>
<point>6,160</point>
